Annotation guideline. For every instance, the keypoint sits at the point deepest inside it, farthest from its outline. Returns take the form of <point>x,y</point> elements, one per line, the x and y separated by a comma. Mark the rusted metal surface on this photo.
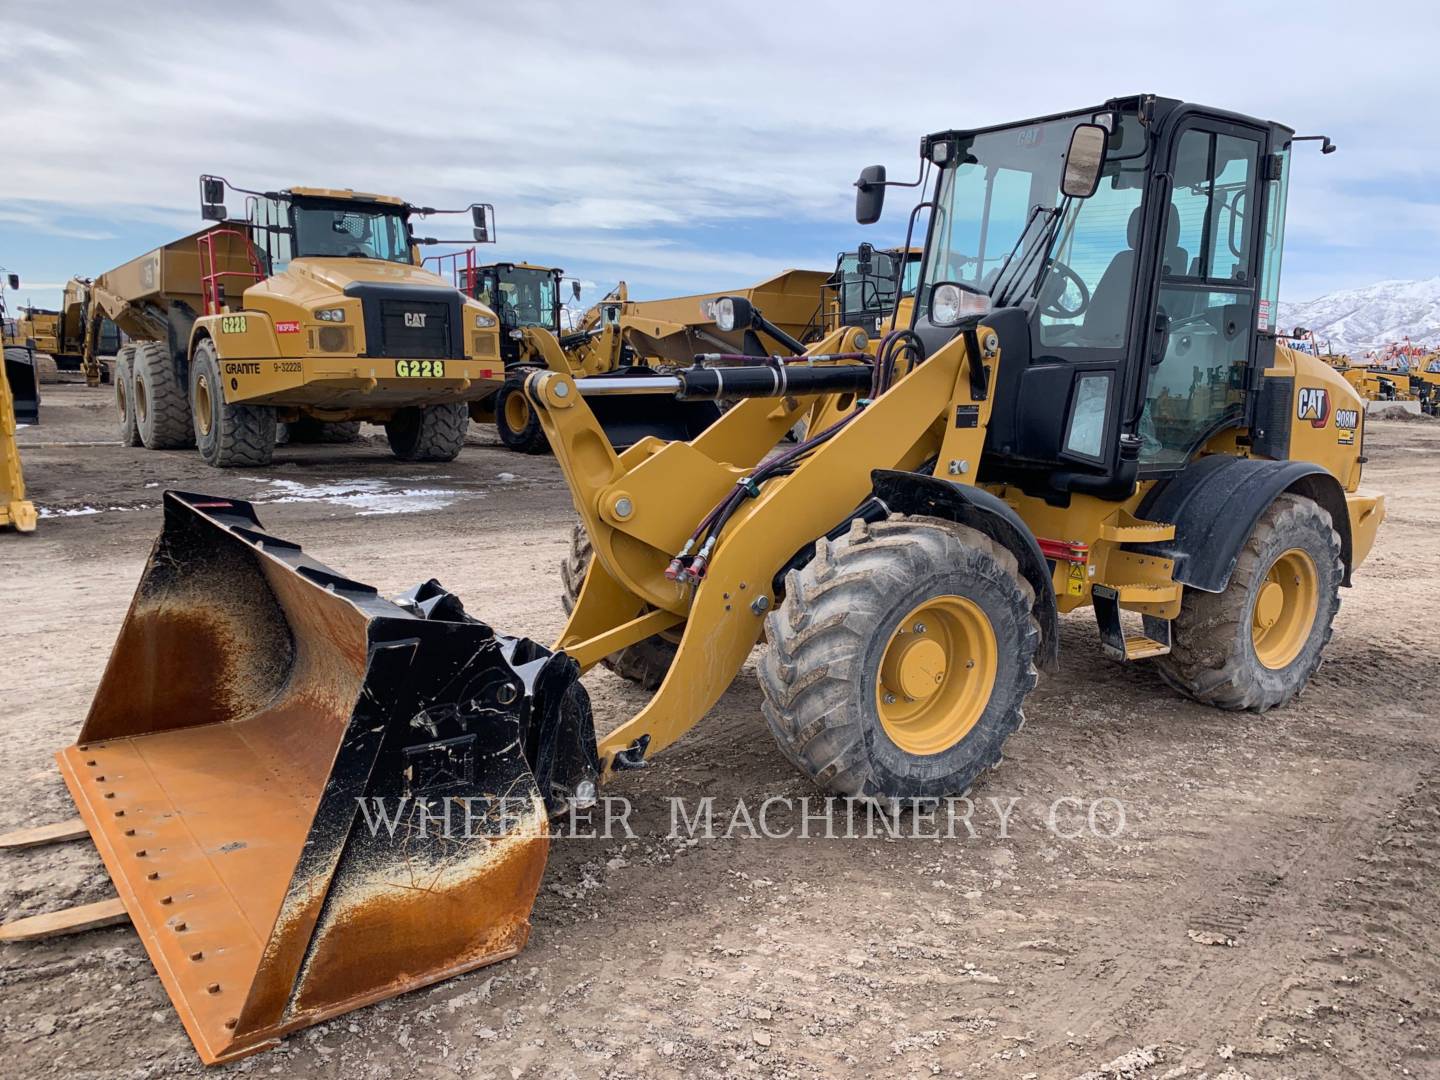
<point>253,700</point>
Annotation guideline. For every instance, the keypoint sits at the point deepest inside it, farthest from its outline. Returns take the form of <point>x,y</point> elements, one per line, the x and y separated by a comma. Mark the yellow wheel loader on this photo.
<point>1088,406</point>
<point>19,404</point>
<point>313,309</point>
<point>867,286</point>
<point>623,338</point>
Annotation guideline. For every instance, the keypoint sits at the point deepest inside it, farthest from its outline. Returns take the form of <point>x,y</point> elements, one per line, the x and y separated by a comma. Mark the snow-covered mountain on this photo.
<point>1355,320</point>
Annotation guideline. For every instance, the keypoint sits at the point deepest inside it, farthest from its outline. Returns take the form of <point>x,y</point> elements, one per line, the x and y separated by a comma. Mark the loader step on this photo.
<point>55,833</point>
<point>1140,647</point>
<point>66,921</point>
<point>1116,641</point>
<point>1126,528</point>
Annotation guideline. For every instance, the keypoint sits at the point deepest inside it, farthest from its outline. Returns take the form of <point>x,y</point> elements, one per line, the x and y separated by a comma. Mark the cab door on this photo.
<point>1206,286</point>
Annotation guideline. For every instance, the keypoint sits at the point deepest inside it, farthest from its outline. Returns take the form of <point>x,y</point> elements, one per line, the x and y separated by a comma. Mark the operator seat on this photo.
<point>1109,308</point>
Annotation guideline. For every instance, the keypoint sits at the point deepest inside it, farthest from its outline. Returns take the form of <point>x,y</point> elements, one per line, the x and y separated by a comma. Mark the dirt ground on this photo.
<point>1265,909</point>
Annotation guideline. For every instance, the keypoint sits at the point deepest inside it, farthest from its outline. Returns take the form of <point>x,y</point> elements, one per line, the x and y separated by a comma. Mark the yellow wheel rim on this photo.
<point>1285,609</point>
<point>202,404</point>
<point>936,675</point>
<point>517,412</point>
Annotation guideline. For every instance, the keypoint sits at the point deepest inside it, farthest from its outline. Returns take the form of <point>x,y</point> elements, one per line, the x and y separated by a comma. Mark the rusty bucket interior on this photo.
<point>258,716</point>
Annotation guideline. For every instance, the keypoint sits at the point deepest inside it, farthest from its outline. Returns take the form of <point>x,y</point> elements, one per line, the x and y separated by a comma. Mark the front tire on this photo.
<point>900,659</point>
<point>432,433</point>
<point>516,422</point>
<point>227,436</point>
<point>162,408</point>
<point>1255,645</point>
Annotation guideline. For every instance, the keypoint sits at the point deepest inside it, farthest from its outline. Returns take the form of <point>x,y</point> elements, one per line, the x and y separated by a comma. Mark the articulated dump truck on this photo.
<point>310,798</point>
<point>624,338</point>
<point>314,310</point>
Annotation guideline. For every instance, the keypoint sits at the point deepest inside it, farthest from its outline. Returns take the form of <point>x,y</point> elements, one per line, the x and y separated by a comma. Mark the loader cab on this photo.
<point>1133,320</point>
<point>520,295</point>
<point>862,290</point>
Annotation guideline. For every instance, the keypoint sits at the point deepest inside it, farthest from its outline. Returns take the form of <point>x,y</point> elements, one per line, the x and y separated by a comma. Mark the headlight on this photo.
<point>724,313</point>
<point>950,304</point>
<point>484,322</point>
<point>331,314</point>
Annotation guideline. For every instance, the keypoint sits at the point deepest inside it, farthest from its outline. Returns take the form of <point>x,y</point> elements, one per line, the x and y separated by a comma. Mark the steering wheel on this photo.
<point>1063,276</point>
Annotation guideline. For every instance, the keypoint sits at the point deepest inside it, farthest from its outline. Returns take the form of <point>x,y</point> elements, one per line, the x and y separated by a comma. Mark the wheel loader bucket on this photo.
<point>310,798</point>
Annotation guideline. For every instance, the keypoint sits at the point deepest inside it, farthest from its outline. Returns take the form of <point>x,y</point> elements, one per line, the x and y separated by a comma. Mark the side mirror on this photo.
<point>733,313</point>
<point>14,280</point>
<point>575,289</point>
<point>480,214</point>
<point>1084,160</point>
<point>212,199</point>
<point>870,194</point>
<point>865,260</point>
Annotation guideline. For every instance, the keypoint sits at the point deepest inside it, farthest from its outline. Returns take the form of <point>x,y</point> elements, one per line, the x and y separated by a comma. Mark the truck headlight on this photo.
<point>331,314</point>
<point>484,322</point>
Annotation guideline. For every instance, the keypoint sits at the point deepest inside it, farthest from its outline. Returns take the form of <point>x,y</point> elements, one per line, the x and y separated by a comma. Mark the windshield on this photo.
<point>522,297</point>
<point>1001,226</point>
<point>351,230</point>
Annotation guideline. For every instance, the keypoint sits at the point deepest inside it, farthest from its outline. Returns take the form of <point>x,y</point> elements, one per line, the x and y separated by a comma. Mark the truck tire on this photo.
<point>309,430</point>
<point>432,433</point>
<point>646,662</point>
<point>516,422</point>
<point>162,407</point>
<point>124,383</point>
<point>47,371</point>
<point>1255,645</point>
<point>899,660</point>
<point>227,436</point>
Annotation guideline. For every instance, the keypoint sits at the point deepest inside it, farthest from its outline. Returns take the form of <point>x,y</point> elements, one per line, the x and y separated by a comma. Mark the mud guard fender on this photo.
<point>1214,504</point>
<point>930,496</point>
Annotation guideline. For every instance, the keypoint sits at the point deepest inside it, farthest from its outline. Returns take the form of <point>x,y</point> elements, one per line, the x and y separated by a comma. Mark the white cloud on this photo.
<point>585,122</point>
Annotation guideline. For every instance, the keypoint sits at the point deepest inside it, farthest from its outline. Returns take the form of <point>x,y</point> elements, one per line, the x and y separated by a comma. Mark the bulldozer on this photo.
<point>311,309</point>
<point>622,338</point>
<point>19,404</point>
<point>1086,407</point>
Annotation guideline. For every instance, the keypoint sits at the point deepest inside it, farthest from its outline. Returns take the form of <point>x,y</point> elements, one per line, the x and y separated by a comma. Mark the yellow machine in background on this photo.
<point>867,285</point>
<point>1081,411</point>
<point>19,404</point>
<point>36,329</point>
<point>314,308</point>
<point>621,337</point>
<point>1425,383</point>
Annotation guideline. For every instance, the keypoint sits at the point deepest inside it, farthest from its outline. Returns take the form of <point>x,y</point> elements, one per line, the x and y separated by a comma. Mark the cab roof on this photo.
<point>343,193</point>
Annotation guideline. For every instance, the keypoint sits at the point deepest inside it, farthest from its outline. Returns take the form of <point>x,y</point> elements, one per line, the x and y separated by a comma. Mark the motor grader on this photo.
<point>622,338</point>
<point>1086,407</point>
<point>313,309</point>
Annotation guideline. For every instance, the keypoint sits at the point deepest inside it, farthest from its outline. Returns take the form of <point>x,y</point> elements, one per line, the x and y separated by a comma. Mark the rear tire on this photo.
<point>646,662</point>
<point>124,383</point>
<point>885,612</point>
<point>162,407</point>
<point>1219,638</point>
<point>309,430</point>
<point>516,422</point>
<point>227,436</point>
<point>431,433</point>
<point>47,371</point>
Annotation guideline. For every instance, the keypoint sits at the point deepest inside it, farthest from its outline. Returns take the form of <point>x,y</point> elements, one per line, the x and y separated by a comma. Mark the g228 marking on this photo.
<point>420,369</point>
<point>232,324</point>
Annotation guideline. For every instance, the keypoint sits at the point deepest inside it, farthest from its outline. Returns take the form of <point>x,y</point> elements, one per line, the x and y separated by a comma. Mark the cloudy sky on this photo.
<point>679,147</point>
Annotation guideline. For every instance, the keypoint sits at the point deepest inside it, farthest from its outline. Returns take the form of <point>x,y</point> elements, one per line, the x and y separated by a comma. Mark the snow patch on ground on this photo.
<point>80,511</point>
<point>365,497</point>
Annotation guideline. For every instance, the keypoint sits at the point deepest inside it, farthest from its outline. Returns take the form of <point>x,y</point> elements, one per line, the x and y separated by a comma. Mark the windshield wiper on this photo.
<point>1003,288</point>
